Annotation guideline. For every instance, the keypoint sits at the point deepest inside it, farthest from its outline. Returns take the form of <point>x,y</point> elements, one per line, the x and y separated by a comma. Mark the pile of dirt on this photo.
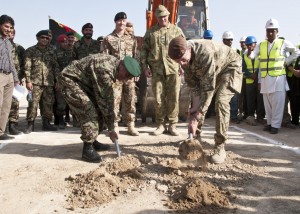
<point>103,184</point>
<point>188,187</point>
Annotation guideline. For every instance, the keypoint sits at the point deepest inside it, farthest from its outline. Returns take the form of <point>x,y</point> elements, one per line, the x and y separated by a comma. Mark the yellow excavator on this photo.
<point>192,17</point>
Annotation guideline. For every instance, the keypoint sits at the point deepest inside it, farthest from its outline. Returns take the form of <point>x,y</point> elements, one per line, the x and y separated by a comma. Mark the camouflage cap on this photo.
<point>161,11</point>
<point>132,66</point>
<point>177,47</point>
<point>87,25</point>
<point>42,33</point>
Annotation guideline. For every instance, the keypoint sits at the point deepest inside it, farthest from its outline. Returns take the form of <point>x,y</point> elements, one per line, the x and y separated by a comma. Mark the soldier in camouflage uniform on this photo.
<point>18,53</point>
<point>164,71</point>
<point>64,57</point>
<point>121,43</point>
<point>85,47</point>
<point>40,72</point>
<point>210,68</point>
<point>87,85</point>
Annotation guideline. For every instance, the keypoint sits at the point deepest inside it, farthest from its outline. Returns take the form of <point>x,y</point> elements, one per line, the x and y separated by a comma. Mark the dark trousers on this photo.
<point>255,103</point>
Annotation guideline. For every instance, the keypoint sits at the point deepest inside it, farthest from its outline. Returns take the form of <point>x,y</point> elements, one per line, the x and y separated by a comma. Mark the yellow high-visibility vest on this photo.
<point>272,64</point>
<point>252,67</point>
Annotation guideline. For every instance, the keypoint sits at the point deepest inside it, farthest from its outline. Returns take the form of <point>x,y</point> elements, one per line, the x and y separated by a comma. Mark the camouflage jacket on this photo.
<point>119,46</point>
<point>40,66</point>
<point>81,50</point>
<point>96,76</point>
<point>63,57</point>
<point>154,51</point>
<point>211,65</point>
<point>18,53</point>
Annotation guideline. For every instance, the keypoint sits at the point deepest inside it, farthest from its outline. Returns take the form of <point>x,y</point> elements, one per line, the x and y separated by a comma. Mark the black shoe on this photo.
<point>89,154</point>
<point>13,129</point>
<point>273,130</point>
<point>100,146</point>
<point>29,128</point>
<point>6,137</point>
<point>47,126</point>
<point>267,128</point>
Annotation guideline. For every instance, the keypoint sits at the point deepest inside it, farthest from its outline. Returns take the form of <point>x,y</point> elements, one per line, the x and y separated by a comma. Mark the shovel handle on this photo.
<point>117,148</point>
<point>191,136</point>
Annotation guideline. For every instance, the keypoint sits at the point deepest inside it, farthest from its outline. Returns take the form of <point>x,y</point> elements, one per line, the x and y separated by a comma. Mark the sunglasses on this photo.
<point>44,37</point>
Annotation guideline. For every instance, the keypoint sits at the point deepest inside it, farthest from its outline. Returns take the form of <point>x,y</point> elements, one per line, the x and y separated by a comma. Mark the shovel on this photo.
<point>117,148</point>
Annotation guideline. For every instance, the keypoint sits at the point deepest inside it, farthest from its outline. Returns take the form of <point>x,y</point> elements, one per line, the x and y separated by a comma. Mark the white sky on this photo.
<point>239,16</point>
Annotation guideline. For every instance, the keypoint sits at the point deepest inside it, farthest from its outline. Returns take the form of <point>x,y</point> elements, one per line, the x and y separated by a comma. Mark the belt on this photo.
<point>5,72</point>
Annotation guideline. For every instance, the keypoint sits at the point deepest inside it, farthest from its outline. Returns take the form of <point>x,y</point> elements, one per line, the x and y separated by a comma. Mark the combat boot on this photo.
<point>132,130</point>
<point>89,153</point>
<point>219,155</point>
<point>61,122</point>
<point>47,126</point>
<point>100,146</point>
<point>160,130</point>
<point>173,130</point>
<point>29,128</point>
<point>13,129</point>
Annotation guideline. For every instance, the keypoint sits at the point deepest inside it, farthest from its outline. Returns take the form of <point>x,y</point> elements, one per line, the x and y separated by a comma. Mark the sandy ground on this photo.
<point>43,172</point>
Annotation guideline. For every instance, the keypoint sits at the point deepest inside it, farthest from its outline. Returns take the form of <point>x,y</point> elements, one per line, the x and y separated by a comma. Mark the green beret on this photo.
<point>132,66</point>
<point>42,33</point>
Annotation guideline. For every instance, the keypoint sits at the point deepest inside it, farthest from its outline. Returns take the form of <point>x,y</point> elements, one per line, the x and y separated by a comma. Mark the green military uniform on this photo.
<point>82,50</point>
<point>214,69</point>
<point>64,58</point>
<point>87,85</point>
<point>40,70</point>
<point>165,78</point>
<point>18,53</point>
<point>121,46</point>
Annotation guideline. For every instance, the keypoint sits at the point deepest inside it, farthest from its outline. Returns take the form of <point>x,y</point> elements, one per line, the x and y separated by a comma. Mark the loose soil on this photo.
<point>43,173</point>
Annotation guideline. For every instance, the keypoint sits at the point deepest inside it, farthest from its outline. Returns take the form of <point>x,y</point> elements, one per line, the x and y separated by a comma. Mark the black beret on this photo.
<point>100,38</point>
<point>42,33</point>
<point>87,25</point>
<point>120,15</point>
<point>69,33</point>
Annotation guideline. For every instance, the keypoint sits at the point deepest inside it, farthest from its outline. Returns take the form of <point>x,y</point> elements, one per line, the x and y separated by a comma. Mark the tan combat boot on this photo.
<point>160,129</point>
<point>132,130</point>
<point>219,155</point>
<point>173,130</point>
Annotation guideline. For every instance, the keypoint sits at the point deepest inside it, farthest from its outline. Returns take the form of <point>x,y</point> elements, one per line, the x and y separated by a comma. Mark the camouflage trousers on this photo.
<point>223,95</point>
<point>84,108</point>
<point>166,93</point>
<point>125,90</point>
<point>14,111</point>
<point>45,94</point>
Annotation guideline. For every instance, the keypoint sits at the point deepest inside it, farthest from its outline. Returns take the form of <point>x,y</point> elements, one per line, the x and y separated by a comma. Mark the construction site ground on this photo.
<point>42,172</point>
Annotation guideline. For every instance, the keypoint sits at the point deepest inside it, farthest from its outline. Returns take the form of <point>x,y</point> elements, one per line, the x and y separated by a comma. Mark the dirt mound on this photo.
<point>105,183</point>
<point>198,196</point>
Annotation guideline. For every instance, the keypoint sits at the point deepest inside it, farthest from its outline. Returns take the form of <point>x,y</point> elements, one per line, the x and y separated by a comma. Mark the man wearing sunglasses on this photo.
<point>40,71</point>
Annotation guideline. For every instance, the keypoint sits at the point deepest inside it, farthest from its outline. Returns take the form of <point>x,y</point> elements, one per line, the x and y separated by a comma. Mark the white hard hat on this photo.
<point>272,24</point>
<point>227,35</point>
<point>243,39</point>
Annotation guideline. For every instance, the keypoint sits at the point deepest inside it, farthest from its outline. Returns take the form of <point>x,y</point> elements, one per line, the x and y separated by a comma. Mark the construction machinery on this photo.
<point>192,17</point>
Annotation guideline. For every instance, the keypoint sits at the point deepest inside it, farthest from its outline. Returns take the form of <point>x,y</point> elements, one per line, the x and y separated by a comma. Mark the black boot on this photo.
<point>61,122</point>
<point>29,128</point>
<point>89,153</point>
<point>47,126</point>
<point>13,129</point>
<point>6,137</point>
<point>100,146</point>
